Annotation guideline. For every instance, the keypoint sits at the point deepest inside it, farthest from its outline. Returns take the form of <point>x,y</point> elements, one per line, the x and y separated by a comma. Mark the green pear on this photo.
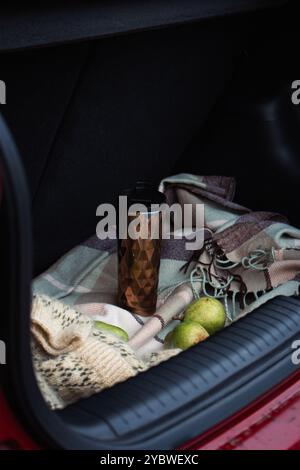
<point>208,312</point>
<point>185,335</point>
<point>114,330</point>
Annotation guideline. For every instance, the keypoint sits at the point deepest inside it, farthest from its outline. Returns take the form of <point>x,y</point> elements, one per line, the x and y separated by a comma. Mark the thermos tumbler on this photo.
<point>139,249</point>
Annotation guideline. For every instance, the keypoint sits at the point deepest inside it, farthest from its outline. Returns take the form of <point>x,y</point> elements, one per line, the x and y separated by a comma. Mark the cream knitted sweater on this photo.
<point>73,360</point>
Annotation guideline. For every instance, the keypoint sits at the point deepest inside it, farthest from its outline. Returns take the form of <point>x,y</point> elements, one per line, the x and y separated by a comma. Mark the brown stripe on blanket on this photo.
<point>224,184</point>
<point>101,245</point>
<point>244,228</point>
<point>268,280</point>
<point>175,249</point>
<point>171,249</point>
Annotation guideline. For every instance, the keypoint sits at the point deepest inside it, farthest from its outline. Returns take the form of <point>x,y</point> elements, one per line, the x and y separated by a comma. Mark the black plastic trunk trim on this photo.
<point>48,23</point>
<point>173,412</point>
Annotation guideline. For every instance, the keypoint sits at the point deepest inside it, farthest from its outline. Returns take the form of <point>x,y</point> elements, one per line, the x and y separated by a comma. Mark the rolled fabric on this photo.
<point>175,304</point>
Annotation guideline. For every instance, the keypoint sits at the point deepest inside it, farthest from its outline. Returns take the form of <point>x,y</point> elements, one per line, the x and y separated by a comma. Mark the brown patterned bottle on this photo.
<point>139,249</point>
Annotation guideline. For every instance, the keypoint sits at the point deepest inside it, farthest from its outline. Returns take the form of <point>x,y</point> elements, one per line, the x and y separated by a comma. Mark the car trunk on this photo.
<point>92,113</point>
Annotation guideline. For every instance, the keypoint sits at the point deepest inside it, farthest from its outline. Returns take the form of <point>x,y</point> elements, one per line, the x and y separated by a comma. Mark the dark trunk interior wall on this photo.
<point>92,118</point>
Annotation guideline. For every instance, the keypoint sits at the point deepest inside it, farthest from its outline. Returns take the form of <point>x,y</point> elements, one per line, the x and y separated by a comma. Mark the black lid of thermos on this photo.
<point>144,193</point>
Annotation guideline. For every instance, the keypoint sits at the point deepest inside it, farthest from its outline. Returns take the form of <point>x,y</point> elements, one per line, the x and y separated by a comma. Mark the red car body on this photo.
<point>270,423</point>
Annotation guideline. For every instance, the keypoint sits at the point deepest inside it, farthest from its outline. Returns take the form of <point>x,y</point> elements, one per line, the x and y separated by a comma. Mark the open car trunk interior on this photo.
<point>127,92</point>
